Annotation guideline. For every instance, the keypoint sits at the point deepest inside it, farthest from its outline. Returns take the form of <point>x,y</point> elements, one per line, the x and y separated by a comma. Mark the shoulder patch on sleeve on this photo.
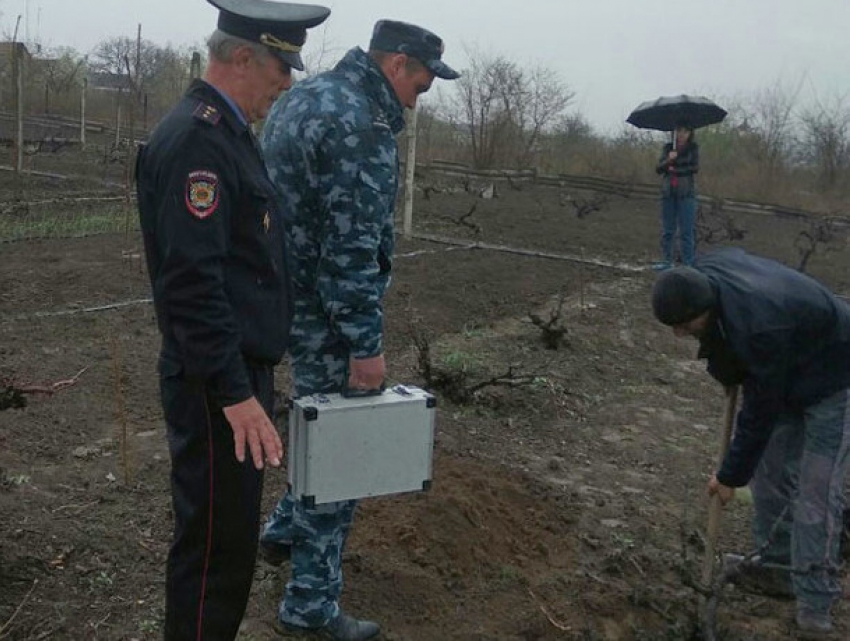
<point>202,193</point>
<point>207,113</point>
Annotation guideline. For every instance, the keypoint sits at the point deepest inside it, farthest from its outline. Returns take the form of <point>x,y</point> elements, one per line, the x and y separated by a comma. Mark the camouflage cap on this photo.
<point>280,26</point>
<point>416,42</point>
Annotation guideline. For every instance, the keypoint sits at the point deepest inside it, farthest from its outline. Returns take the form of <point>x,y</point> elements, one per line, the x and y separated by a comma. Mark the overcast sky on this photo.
<point>612,53</point>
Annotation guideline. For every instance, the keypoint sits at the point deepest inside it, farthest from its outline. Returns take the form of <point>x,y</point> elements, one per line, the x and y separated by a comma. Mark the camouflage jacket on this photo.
<point>331,152</point>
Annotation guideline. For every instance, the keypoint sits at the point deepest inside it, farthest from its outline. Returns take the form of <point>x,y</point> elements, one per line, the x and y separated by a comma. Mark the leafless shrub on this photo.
<point>427,190</point>
<point>464,219</point>
<point>452,379</point>
<point>584,206</point>
<point>552,330</point>
<point>715,225</point>
<point>817,238</point>
<point>11,397</point>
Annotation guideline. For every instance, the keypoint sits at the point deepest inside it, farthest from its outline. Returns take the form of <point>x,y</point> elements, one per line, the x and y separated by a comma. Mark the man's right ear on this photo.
<point>242,56</point>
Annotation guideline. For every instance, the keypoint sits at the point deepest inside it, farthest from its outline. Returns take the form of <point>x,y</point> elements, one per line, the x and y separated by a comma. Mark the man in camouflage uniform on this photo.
<point>786,339</point>
<point>331,151</point>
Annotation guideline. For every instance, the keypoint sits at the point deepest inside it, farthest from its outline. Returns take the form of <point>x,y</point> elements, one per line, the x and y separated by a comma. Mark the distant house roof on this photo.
<point>107,81</point>
<point>6,55</point>
<point>6,49</point>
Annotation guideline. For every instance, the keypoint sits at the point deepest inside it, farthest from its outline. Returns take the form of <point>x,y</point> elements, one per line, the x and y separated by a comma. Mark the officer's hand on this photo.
<point>671,156</point>
<point>366,373</point>
<point>250,423</point>
<point>723,492</point>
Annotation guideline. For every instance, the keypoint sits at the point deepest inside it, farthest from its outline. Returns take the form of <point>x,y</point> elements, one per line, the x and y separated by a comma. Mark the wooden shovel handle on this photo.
<point>714,507</point>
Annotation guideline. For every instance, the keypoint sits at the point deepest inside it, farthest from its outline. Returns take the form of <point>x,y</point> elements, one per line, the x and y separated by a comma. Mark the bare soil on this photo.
<point>568,507</point>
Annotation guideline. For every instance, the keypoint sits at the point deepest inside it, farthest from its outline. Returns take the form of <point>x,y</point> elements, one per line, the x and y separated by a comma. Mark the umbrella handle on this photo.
<point>714,508</point>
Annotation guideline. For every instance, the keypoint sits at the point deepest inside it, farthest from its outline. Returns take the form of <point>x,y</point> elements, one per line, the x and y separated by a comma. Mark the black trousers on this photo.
<point>216,504</point>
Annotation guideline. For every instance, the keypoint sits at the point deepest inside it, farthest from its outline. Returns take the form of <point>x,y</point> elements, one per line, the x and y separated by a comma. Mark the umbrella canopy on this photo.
<point>665,113</point>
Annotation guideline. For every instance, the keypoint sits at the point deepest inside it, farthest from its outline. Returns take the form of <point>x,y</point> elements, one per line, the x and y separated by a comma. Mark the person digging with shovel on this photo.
<point>785,338</point>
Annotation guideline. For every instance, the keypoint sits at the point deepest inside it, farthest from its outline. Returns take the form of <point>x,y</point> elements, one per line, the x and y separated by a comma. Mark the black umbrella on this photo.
<point>665,113</point>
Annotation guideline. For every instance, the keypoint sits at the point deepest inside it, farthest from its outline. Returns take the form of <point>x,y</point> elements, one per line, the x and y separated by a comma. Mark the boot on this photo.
<point>341,628</point>
<point>813,622</point>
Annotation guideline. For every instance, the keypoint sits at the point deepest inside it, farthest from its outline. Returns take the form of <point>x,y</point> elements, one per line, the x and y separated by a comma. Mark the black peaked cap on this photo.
<point>281,26</point>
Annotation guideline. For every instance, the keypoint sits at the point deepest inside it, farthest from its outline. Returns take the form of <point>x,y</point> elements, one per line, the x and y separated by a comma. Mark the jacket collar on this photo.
<point>359,67</point>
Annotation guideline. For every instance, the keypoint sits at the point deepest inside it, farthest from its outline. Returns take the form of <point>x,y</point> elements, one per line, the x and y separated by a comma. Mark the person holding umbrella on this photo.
<point>678,165</point>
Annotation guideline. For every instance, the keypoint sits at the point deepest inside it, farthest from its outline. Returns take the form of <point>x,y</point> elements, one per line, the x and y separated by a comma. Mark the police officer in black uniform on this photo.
<point>215,253</point>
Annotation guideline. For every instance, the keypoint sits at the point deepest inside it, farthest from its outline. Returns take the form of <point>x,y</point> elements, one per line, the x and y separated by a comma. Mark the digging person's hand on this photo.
<point>366,373</point>
<point>251,425</point>
<point>723,492</point>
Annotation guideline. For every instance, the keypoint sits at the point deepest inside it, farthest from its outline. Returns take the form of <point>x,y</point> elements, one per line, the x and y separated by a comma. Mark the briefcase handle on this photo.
<point>347,392</point>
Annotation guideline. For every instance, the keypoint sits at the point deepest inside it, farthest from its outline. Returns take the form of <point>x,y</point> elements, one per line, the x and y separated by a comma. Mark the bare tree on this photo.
<point>321,55</point>
<point>476,106</point>
<point>145,69</point>
<point>543,100</point>
<point>506,109</point>
<point>110,56</point>
<point>58,71</point>
<point>826,140</point>
<point>769,123</point>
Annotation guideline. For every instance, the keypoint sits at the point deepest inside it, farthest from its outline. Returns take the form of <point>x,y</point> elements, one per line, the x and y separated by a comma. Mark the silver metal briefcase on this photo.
<point>353,447</point>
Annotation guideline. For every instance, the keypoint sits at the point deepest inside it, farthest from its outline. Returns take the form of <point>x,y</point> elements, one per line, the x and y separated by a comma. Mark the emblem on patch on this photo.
<point>202,193</point>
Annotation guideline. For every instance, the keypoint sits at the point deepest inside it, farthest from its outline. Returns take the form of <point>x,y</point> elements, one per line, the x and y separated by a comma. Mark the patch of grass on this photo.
<point>150,625</point>
<point>509,574</point>
<point>461,361</point>
<point>68,224</point>
<point>13,480</point>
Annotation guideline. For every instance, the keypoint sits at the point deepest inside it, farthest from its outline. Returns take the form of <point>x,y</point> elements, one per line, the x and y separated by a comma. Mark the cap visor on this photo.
<point>290,58</point>
<point>442,70</point>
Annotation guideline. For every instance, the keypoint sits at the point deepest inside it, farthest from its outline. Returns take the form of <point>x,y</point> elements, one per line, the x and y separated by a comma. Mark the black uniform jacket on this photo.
<point>791,337</point>
<point>214,245</point>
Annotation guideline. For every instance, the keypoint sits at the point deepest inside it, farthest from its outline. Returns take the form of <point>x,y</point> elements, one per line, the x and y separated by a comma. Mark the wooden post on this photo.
<point>135,94</point>
<point>410,171</point>
<point>195,68</point>
<point>83,113</point>
<point>17,75</point>
<point>118,118</point>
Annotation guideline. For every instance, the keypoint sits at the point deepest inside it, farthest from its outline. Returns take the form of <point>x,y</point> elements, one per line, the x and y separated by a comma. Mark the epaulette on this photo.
<point>207,113</point>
